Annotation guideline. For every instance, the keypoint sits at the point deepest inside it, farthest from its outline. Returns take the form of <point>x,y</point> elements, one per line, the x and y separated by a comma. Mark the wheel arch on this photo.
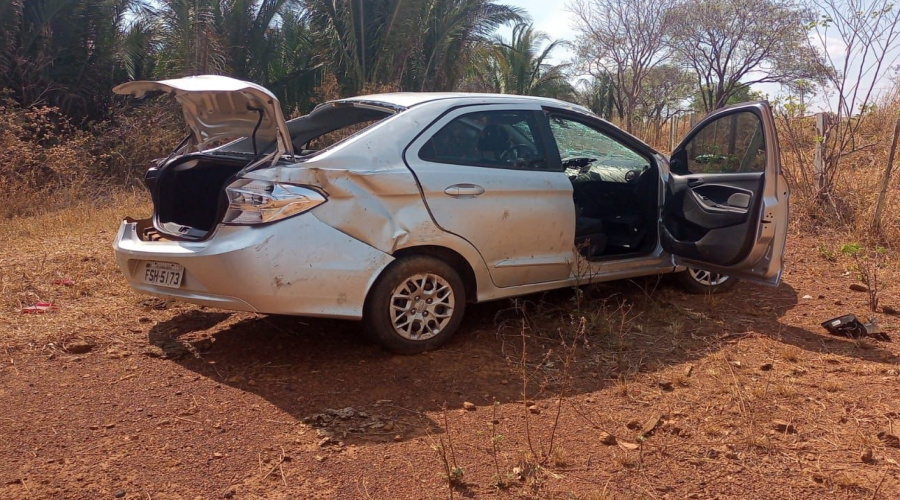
<point>452,258</point>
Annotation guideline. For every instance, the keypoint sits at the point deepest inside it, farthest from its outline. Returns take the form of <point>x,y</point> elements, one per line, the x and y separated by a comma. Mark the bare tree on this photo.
<point>860,40</point>
<point>667,89</point>
<point>621,40</point>
<point>734,43</point>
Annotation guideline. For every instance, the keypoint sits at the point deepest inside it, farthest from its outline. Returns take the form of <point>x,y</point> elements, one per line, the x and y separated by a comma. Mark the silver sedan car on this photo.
<point>399,209</point>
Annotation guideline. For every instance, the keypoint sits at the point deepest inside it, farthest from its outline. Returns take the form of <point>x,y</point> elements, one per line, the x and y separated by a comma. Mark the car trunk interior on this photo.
<point>188,194</point>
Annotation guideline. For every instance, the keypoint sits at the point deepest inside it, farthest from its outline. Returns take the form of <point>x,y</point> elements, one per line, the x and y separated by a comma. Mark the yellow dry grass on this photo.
<point>72,244</point>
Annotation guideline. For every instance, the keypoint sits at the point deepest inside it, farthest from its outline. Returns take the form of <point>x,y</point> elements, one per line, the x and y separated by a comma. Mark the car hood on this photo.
<point>218,107</point>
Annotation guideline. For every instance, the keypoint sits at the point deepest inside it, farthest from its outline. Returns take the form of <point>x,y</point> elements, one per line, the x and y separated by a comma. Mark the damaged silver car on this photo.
<point>399,209</point>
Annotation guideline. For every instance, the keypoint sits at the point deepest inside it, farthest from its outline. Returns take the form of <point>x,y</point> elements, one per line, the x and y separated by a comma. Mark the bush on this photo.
<point>46,163</point>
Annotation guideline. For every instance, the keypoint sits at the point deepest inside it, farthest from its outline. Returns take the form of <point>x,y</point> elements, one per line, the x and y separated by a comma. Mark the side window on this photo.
<point>501,139</point>
<point>734,143</point>
<point>585,150</point>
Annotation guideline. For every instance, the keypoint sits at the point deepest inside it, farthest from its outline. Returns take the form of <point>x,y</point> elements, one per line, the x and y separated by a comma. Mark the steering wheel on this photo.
<point>516,152</point>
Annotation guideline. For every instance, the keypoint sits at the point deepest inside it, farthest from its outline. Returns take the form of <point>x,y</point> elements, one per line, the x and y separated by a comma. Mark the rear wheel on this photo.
<point>416,305</point>
<point>705,282</point>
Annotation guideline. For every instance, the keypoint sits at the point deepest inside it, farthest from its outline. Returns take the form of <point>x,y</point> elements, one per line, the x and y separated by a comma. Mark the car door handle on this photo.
<point>694,182</point>
<point>464,190</point>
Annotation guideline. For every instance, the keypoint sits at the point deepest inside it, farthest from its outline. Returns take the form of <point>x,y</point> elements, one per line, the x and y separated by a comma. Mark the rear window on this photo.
<point>333,123</point>
<point>326,126</point>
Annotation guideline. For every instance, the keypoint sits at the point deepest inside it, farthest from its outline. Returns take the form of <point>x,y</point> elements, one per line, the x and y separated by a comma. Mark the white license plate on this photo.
<point>167,274</point>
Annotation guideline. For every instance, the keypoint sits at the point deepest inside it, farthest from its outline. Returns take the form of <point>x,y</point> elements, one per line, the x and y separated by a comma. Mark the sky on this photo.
<point>551,17</point>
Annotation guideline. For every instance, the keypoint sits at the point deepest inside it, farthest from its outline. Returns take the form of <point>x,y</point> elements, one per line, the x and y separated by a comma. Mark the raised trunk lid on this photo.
<point>218,107</point>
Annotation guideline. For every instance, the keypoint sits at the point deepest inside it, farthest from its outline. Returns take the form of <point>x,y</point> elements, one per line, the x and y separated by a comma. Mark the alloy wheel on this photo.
<point>421,306</point>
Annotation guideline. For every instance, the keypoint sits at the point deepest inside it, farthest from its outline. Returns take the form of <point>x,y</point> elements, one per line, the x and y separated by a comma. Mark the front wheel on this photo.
<point>416,305</point>
<point>705,282</point>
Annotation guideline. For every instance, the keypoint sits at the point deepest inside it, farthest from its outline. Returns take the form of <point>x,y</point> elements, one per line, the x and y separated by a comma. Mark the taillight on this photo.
<point>258,202</point>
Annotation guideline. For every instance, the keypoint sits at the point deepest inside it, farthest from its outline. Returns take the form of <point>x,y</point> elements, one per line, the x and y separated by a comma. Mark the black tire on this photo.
<point>414,275</point>
<point>704,282</point>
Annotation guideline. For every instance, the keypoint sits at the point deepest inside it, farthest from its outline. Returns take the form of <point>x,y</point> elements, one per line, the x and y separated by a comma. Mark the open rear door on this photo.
<point>726,205</point>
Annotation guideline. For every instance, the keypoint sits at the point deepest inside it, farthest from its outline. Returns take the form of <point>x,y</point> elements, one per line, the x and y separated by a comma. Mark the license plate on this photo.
<point>167,274</point>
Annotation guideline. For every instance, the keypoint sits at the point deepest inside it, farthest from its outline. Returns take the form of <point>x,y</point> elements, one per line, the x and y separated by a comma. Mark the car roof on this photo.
<point>410,99</point>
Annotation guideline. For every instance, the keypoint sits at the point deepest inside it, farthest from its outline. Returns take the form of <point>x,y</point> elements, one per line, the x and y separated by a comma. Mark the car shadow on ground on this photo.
<point>315,369</point>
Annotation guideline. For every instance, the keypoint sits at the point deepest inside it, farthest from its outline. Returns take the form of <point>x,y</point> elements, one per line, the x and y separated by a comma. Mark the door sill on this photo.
<point>620,256</point>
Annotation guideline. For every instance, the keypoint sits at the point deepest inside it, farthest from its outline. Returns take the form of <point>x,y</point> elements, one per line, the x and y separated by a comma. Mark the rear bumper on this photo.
<point>299,266</point>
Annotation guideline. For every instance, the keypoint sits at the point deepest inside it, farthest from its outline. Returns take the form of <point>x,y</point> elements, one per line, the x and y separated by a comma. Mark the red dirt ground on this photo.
<point>742,395</point>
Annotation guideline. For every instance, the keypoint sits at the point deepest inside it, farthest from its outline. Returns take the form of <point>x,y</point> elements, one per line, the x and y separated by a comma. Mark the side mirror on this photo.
<point>678,163</point>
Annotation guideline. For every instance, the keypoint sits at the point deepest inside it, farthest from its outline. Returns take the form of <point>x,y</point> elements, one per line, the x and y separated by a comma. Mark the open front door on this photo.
<point>726,205</point>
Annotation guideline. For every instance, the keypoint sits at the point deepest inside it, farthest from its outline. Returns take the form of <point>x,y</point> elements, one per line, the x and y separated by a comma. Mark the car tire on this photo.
<point>705,282</point>
<point>416,305</point>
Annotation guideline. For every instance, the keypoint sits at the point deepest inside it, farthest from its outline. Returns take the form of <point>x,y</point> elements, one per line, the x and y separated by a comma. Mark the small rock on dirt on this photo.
<point>119,494</point>
<point>79,347</point>
<point>153,351</point>
<point>807,297</point>
<point>783,427</point>
<point>868,457</point>
<point>766,367</point>
<point>469,406</point>
<point>398,438</point>
<point>666,386</point>
<point>344,413</point>
<point>890,310</point>
<point>856,287</point>
<point>889,440</point>
<point>633,425</point>
<point>688,370</point>
<point>607,439</point>
<point>534,409</point>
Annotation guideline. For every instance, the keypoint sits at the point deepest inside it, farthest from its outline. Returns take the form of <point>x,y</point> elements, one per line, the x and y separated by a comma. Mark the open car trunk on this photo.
<point>189,193</point>
<point>189,188</point>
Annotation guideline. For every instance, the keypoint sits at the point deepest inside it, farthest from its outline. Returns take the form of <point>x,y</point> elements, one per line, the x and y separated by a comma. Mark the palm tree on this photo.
<point>292,72</point>
<point>519,66</point>
<point>454,30</point>
<point>391,42</point>
<point>190,37</point>
<point>246,28</point>
<point>138,48</point>
<point>61,52</point>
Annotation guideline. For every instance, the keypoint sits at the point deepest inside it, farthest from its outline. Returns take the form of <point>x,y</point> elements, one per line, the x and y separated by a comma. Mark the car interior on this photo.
<point>614,189</point>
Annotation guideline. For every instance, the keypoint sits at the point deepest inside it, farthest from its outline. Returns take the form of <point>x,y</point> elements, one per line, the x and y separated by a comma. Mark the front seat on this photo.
<point>493,141</point>
<point>590,240</point>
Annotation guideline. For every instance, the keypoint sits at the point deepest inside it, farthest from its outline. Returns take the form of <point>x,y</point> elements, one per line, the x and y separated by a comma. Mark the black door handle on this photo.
<point>694,182</point>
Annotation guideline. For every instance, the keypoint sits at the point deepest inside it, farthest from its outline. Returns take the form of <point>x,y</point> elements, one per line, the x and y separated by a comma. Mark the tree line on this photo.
<point>641,60</point>
<point>69,53</point>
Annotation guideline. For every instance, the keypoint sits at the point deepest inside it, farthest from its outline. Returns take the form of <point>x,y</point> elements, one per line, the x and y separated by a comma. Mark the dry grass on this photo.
<point>73,244</point>
<point>47,164</point>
